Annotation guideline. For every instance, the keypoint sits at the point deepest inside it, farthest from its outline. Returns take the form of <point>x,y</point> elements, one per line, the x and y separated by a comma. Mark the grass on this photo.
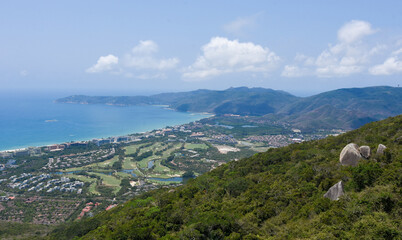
<point>107,163</point>
<point>74,169</point>
<point>123,175</point>
<point>109,180</point>
<point>160,168</point>
<point>138,172</point>
<point>161,182</point>
<point>193,146</point>
<point>260,149</point>
<point>94,166</point>
<point>132,148</point>
<point>80,177</point>
<point>128,164</point>
<point>144,162</point>
<point>92,187</point>
<point>154,147</point>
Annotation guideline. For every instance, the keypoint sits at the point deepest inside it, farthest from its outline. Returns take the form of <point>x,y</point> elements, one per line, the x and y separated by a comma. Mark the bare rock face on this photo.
<point>350,155</point>
<point>335,192</point>
<point>380,149</point>
<point>365,151</point>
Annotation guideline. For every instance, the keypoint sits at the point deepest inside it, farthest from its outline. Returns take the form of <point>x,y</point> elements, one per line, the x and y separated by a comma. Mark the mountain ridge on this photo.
<point>351,107</point>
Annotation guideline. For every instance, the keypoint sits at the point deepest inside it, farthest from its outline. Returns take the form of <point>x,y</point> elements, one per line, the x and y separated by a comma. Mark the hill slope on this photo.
<point>273,195</point>
<point>342,108</point>
<point>350,107</point>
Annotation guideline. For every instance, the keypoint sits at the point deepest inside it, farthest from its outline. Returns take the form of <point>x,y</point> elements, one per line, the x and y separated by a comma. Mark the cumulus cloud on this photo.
<point>354,31</point>
<point>145,47</point>
<point>141,58</point>
<point>221,56</point>
<point>348,56</point>
<point>391,65</point>
<point>104,63</point>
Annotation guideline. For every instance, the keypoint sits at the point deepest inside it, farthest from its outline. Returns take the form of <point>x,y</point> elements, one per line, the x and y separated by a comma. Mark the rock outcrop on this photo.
<point>335,192</point>
<point>381,148</point>
<point>365,151</point>
<point>350,155</point>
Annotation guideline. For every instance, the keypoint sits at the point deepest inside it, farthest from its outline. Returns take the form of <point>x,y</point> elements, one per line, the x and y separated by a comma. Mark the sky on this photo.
<point>145,47</point>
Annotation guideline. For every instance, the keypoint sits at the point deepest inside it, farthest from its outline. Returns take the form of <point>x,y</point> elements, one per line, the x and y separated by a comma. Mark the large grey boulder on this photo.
<point>365,151</point>
<point>381,148</point>
<point>335,192</point>
<point>350,155</point>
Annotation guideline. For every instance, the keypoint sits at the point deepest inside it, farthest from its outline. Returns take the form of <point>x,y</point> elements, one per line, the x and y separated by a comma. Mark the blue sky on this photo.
<point>132,47</point>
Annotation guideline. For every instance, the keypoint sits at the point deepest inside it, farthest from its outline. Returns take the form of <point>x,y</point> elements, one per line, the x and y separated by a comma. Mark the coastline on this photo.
<point>41,145</point>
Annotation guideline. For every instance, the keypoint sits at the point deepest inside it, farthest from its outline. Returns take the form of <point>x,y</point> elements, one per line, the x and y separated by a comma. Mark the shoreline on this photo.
<point>41,145</point>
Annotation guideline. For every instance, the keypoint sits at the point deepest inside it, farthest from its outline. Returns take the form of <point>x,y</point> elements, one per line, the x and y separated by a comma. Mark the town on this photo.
<point>110,171</point>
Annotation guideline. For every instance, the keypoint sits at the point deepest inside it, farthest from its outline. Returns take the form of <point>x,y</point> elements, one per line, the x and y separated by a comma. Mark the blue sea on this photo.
<point>36,120</point>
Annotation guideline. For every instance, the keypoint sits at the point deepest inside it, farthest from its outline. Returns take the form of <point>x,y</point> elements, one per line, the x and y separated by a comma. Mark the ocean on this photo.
<point>36,120</point>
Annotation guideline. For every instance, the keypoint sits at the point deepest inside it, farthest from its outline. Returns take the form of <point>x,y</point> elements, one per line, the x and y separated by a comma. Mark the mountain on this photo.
<point>342,108</point>
<point>243,100</point>
<point>278,194</point>
<point>350,107</point>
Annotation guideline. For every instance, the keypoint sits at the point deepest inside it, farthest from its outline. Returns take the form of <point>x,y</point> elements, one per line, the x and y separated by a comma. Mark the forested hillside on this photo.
<point>273,195</point>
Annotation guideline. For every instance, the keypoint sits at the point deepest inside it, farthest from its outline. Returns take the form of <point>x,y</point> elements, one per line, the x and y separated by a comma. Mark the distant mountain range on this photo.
<point>343,108</point>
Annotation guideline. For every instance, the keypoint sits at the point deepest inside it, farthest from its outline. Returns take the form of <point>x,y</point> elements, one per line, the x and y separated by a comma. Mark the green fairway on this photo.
<point>123,175</point>
<point>92,189</point>
<point>193,146</point>
<point>132,148</point>
<point>107,163</point>
<point>160,168</point>
<point>128,163</point>
<point>80,177</point>
<point>108,180</point>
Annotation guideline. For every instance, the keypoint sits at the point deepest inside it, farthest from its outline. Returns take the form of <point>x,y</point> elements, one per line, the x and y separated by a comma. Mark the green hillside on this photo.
<point>343,108</point>
<point>273,195</point>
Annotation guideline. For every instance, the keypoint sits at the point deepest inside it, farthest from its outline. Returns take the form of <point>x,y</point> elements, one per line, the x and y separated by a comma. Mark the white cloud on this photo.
<point>104,63</point>
<point>238,26</point>
<point>354,31</point>
<point>348,56</point>
<point>221,56</point>
<point>142,57</point>
<point>133,64</point>
<point>145,47</point>
<point>391,65</point>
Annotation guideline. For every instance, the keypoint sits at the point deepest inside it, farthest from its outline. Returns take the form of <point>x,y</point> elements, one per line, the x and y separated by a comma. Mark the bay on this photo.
<point>36,120</point>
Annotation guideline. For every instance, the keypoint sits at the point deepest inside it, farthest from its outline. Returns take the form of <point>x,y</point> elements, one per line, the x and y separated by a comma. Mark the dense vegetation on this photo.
<point>342,108</point>
<point>273,195</point>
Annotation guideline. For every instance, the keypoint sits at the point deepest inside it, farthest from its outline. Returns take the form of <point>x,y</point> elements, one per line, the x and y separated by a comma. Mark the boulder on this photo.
<point>350,155</point>
<point>365,151</point>
<point>335,192</point>
<point>380,149</point>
